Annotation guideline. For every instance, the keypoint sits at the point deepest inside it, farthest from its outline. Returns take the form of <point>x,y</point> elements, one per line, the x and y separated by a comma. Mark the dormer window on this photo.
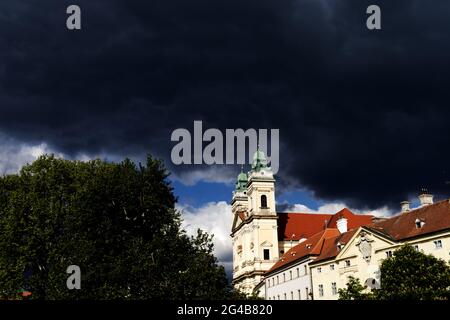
<point>419,223</point>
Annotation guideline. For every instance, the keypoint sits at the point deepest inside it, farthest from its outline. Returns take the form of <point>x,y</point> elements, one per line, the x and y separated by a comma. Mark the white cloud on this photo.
<point>14,154</point>
<point>334,207</point>
<point>214,218</point>
<point>298,208</point>
<point>382,212</point>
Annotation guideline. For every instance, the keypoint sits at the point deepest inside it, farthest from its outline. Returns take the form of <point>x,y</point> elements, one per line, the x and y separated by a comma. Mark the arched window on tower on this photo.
<point>263,201</point>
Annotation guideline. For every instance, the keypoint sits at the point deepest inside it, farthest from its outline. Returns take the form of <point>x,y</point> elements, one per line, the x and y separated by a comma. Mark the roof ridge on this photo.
<point>309,213</point>
<point>402,226</point>
<point>421,207</point>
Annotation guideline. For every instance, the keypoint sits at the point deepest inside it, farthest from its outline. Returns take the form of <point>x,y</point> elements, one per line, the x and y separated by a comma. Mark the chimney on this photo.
<point>425,198</point>
<point>342,225</point>
<point>405,206</point>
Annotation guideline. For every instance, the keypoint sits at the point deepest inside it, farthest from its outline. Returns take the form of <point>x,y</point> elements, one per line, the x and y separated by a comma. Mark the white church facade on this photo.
<point>260,235</point>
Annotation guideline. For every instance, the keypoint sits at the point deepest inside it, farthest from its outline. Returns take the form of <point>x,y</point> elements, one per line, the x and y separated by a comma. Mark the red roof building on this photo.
<point>296,226</point>
<point>315,233</point>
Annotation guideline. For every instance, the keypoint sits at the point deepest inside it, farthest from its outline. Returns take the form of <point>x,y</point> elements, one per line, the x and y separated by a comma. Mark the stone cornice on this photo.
<point>248,274</point>
<point>250,219</point>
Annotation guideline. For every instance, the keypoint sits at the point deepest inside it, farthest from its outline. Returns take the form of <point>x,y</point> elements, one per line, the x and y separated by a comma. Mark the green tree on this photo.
<point>354,290</point>
<point>413,275</point>
<point>117,221</point>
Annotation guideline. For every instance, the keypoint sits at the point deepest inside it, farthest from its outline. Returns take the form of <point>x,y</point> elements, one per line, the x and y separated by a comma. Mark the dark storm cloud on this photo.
<point>363,115</point>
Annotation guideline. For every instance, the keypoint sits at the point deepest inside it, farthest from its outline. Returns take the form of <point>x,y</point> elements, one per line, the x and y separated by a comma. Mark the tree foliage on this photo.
<point>117,221</point>
<point>410,274</point>
<point>407,275</point>
<point>354,290</point>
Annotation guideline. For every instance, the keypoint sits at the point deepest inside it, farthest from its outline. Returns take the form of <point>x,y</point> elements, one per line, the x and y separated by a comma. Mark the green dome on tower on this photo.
<point>259,160</point>
<point>241,183</point>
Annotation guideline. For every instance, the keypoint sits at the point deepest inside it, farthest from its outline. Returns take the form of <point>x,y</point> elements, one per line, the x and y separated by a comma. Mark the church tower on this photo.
<point>254,231</point>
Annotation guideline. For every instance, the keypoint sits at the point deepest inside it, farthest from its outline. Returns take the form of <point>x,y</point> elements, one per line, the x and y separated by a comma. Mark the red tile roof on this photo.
<point>311,246</point>
<point>353,220</point>
<point>401,227</point>
<point>320,231</point>
<point>296,226</point>
<point>330,246</point>
<point>436,217</point>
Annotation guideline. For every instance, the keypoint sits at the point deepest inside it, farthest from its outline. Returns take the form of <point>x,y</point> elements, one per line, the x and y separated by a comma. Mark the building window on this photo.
<point>292,295</point>
<point>263,201</point>
<point>290,275</point>
<point>320,290</point>
<point>285,296</point>
<point>333,288</point>
<point>419,223</point>
<point>331,266</point>
<point>266,254</point>
<point>388,254</point>
<point>307,293</point>
<point>299,295</point>
<point>278,280</point>
<point>416,247</point>
<point>306,269</point>
<point>347,263</point>
<point>273,282</point>
<point>298,273</point>
<point>278,297</point>
<point>437,244</point>
<point>319,270</point>
<point>284,278</point>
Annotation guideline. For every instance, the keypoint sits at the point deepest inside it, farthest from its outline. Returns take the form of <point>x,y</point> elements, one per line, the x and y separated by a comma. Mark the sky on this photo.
<point>363,114</point>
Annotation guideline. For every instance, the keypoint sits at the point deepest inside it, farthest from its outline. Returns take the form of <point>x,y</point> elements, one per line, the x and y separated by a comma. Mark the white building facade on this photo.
<point>360,253</point>
<point>323,263</point>
<point>290,283</point>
